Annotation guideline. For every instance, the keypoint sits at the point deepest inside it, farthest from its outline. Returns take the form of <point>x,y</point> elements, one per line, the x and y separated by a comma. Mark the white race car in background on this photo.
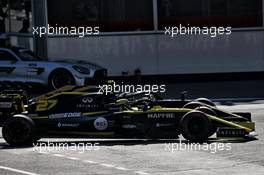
<point>19,65</point>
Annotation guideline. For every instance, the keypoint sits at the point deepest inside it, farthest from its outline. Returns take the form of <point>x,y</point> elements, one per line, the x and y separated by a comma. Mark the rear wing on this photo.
<point>13,101</point>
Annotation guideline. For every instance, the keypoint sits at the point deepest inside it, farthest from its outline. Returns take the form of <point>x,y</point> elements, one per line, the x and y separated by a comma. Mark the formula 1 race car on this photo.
<point>83,111</point>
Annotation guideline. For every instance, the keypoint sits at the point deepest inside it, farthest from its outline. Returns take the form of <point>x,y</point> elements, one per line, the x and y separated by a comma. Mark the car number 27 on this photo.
<point>44,105</point>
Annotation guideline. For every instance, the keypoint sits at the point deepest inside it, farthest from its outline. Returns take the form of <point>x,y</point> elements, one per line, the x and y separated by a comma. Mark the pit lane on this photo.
<point>112,156</point>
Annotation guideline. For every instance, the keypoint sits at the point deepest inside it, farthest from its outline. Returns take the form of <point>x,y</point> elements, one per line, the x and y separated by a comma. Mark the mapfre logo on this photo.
<point>161,115</point>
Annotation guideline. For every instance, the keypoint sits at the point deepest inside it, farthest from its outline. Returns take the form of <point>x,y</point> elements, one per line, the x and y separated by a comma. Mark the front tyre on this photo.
<point>209,111</point>
<point>205,101</point>
<point>193,105</point>
<point>19,130</point>
<point>60,78</point>
<point>195,126</point>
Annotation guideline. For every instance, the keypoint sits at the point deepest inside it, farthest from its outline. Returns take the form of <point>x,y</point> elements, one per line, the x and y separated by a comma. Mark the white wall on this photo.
<point>116,53</point>
<point>22,41</point>
<point>241,51</point>
<point>159,54</point>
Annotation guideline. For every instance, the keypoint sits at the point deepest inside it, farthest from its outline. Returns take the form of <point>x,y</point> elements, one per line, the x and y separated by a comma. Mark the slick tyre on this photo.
<point>60,78</point>
<point>195,126</point>
<point>209,111</point>
<point>19,130</point>
<point>205,101</point>
<point>193,105</point>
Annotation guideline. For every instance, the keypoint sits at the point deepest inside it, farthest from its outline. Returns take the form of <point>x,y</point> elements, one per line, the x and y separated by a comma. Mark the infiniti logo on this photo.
<point>87,100</point>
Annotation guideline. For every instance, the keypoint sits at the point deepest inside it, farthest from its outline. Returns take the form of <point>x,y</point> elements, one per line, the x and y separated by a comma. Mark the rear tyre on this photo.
<point>209,111</point>
<point>60,78</point>
<point>205,101</point>
<point>19,131</point>
<point>195,126</point>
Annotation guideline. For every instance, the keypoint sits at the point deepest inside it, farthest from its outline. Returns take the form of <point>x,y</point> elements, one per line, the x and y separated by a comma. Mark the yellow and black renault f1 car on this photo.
<point>83,111</point>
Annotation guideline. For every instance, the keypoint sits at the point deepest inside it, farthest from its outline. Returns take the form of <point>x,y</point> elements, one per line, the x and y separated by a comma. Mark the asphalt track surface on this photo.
<point>140,157</point>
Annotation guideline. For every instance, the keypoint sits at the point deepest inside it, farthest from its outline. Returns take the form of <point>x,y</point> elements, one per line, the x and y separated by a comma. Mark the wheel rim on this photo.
<point>61,79</point>
<point>196,126</point>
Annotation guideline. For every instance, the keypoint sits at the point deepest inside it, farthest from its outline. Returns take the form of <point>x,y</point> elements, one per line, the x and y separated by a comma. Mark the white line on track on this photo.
<point>73,158</point>
<point>90,161</point>
<point>58,155</point>
<point>122,168</point>
<point>107,165</point>
<point>141,173</point>
<point>17,170</point>
<point>93,162</point>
